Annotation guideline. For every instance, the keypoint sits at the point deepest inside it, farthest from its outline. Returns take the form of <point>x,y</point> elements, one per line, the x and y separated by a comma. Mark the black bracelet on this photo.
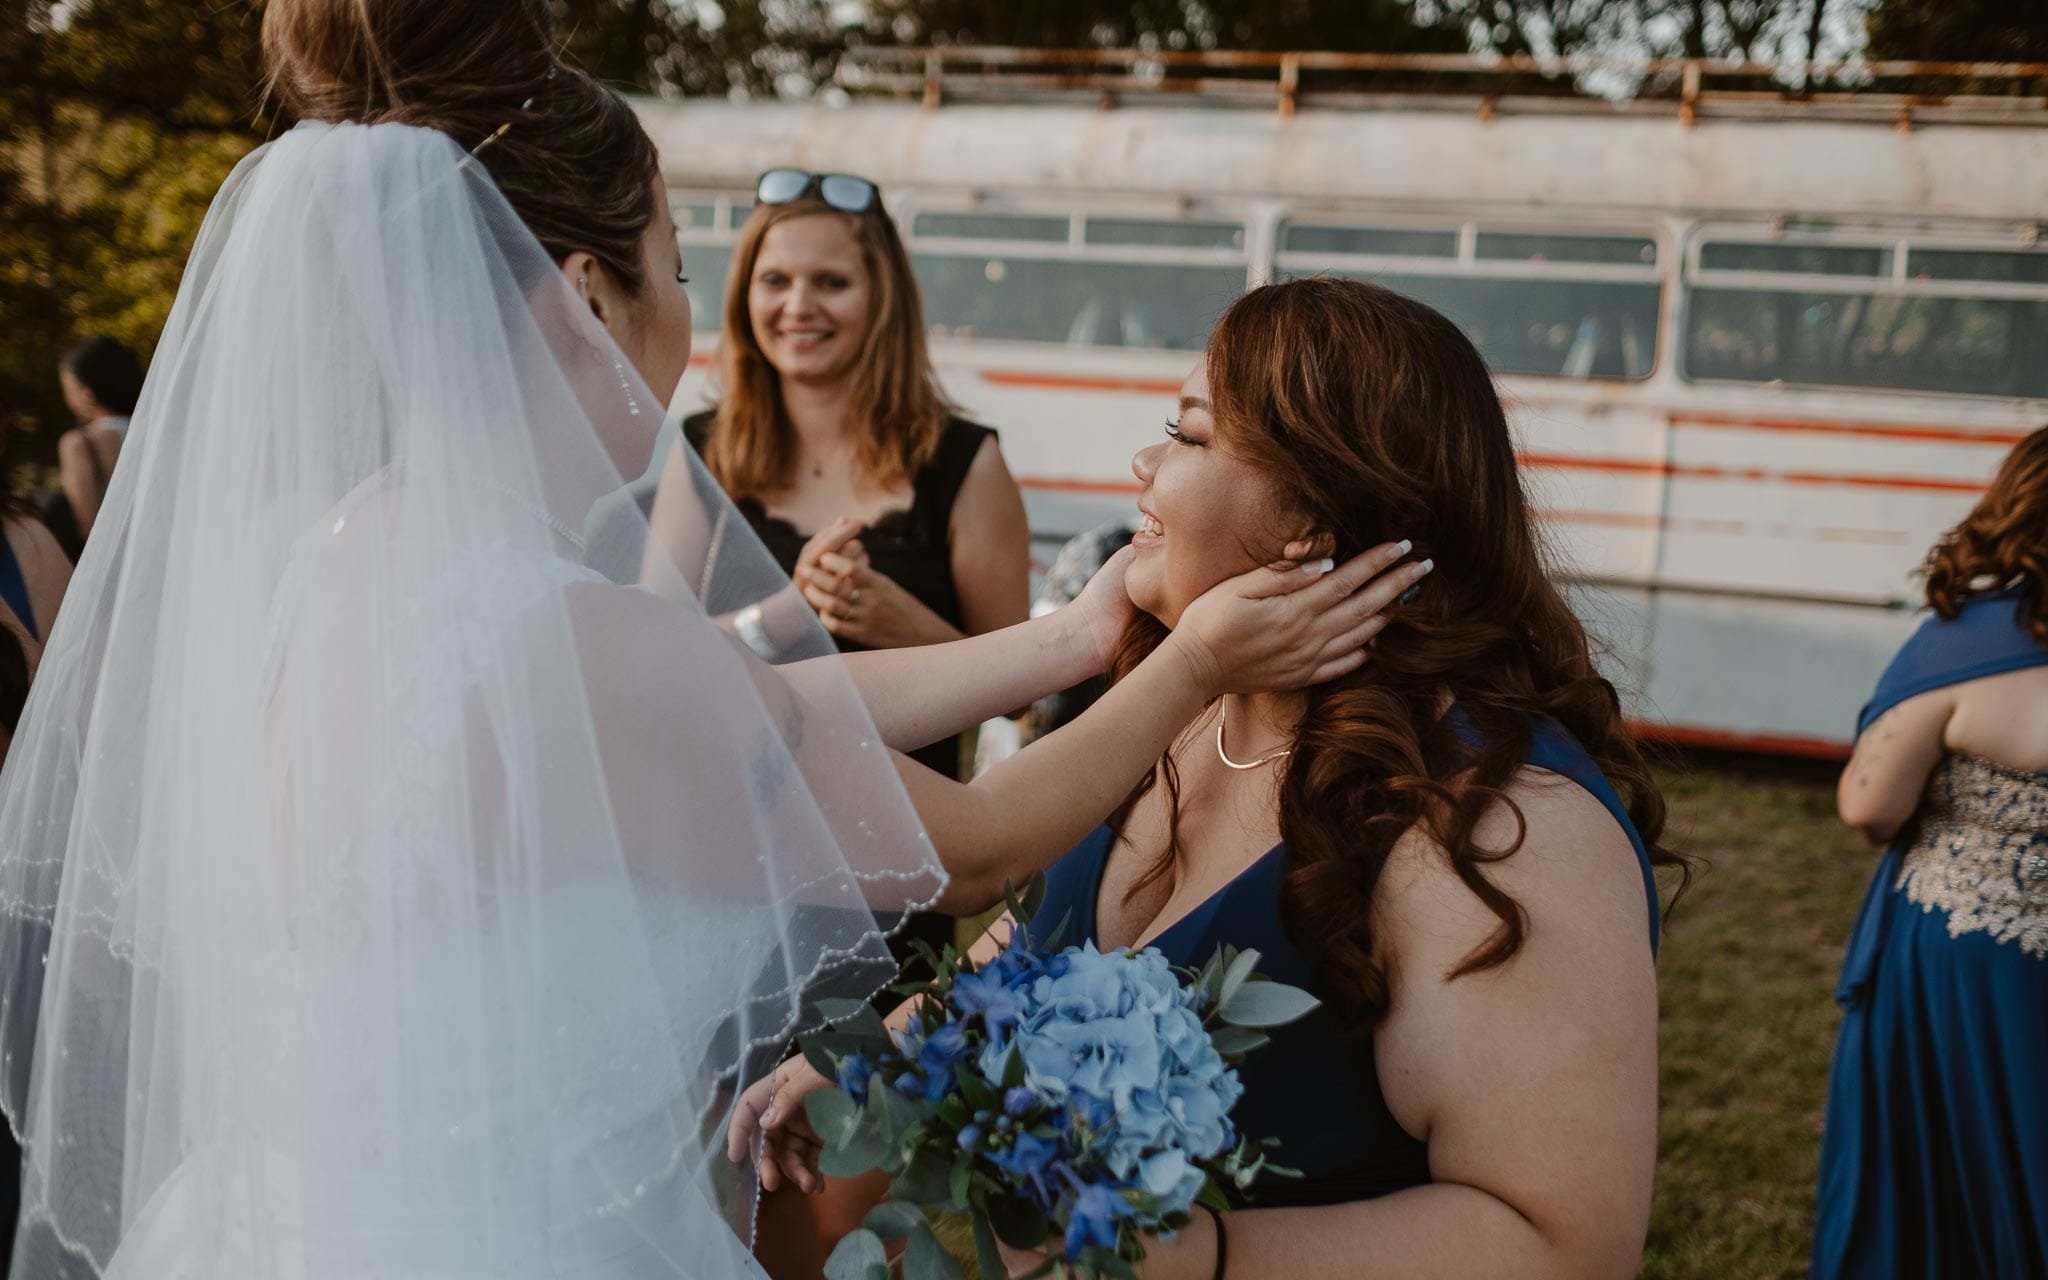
<point>1222,1245</point>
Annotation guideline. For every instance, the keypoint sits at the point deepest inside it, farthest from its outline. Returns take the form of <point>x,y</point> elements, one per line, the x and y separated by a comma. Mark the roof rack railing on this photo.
<point>1902,92</point>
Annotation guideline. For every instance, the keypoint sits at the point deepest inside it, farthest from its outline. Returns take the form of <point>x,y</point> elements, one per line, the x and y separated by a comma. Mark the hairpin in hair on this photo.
<point>506,127</point>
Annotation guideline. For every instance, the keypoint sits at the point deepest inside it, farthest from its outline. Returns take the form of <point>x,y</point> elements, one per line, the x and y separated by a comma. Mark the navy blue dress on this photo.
<point>1315,1087</point>
<point>1934,1153</point>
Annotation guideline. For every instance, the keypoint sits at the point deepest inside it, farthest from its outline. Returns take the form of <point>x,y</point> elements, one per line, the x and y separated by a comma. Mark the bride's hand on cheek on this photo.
<point>1281,628</point>
<point>1103,610</point>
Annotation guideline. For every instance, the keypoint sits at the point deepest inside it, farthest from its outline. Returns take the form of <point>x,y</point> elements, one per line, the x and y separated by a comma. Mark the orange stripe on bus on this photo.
<point>1873,430</point>
<point>1764,743</point>
<point>1066,382</point>
<point>1647,467</point>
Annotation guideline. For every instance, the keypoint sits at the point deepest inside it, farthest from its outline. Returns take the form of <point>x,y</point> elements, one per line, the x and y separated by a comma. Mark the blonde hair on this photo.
<point>896,398</point>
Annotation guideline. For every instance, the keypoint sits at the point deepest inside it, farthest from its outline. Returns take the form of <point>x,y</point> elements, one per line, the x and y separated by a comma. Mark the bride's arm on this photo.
<point>1255,633</point>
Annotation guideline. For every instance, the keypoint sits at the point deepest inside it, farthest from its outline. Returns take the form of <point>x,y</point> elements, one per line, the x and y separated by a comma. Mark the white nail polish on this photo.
<point>1317,568</point>
<point>1403,547</point>
<point>1424,567</point>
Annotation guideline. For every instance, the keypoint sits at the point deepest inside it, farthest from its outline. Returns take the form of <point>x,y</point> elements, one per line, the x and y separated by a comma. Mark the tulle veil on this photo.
<point>402,857</point>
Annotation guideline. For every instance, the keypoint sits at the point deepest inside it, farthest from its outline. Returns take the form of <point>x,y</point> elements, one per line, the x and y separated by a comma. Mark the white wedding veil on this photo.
<point>399,866</point>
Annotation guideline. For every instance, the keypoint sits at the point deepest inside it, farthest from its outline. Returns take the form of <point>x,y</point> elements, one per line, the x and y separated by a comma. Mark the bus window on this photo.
<point>1797,259</point>
<point>1031,228</point>
<point>694,215</point>
<point>1982,346</point>
<point>1974,264</point>
<point>1077,301</point>
<point>707,266</point>
<point>1519,247</point>
<point>1562,303</point>
<point>1969,321</point>
<point>1223,237</point>
<point>1369,242</point>
<point>1568,328</point>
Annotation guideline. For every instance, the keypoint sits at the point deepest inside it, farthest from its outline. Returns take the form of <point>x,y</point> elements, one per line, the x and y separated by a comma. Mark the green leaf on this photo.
<point>1034,896</point>
<point>1212,1195</point>
<point>832,1114</point>
<point>925,1180</point>
<point>963,1170</point>
<point>1109,1264</point>
<point>924,1258</point>
<point>866,1149</point>
<point>1013,1069</point>
<point>894,1219</point>
<point>820,1059</point>
<point>986,1256</point>
<point>1235,1042</point>
<point>1236,973</point>
<point>858,1257</point>
<point>977,1093</point>
<point>1267,1004</point>
<point>1017,1224</point>
<point>1053,940</point>
<point>840,1008</point>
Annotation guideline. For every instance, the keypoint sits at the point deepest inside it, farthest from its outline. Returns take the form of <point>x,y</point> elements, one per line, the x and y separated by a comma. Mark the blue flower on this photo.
<point>1018,1101</point>
<point>970,1137</point>
<point>1029,1162</point>
<point>989,994</point>
<point>853,1077</point>
<point>943,1048</point>
<point>1092,1218</point>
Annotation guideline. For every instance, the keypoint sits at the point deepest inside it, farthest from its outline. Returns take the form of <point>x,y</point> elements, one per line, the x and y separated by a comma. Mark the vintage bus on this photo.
<point>1759,351</point>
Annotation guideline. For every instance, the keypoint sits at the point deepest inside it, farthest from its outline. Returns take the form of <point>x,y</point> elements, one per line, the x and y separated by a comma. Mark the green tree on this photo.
<point>1959,30</point>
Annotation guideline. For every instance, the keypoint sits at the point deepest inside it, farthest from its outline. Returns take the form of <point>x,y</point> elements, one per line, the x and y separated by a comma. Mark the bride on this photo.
<point>403,854</point>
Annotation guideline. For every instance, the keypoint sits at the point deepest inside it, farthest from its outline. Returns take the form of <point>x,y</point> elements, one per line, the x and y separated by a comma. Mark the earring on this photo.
<point>625,385</point>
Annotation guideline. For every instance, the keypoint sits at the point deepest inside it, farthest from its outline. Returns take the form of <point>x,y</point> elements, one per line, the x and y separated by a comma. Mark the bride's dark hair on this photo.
<point>1377,419</point>
<point>569,155</point>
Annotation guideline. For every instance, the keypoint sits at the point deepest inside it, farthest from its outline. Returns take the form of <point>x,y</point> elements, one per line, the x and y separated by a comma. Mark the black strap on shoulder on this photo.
<point>938,485</point>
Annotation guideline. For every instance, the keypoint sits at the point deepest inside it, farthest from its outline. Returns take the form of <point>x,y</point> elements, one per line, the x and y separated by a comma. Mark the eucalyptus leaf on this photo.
<point>832,1114</point>
<point>894,1219</point>
<point>1235,1042</point>
<point>1267,1004</point>
<point>1235,974</point>
<point>924,1258</point>
<point>857,1257</point>
<point>925,1180</point>
<point>1108,1264</point>
<point>866,1150</point>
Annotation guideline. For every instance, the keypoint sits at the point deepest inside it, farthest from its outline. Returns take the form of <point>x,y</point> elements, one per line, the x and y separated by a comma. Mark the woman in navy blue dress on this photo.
<point>1452,847</point>
<point>1934,1157</point>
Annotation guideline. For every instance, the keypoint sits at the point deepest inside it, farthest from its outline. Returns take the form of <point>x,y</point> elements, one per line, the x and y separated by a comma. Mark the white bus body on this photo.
<point>1755,367</point>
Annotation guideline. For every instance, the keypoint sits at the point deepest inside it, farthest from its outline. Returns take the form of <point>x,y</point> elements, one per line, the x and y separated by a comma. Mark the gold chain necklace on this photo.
<point>1223,718</point>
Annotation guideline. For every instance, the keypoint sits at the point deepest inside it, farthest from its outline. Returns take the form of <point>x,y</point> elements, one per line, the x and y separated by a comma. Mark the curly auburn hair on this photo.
<point>2003,543</point>
<point>1376,418</point>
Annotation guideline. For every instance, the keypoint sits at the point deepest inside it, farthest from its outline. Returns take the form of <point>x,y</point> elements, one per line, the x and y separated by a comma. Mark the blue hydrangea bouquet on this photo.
<point>1069,1100</point>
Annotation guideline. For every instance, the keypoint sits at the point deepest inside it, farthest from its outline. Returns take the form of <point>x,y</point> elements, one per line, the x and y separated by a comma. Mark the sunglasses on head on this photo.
<point>841,191</point>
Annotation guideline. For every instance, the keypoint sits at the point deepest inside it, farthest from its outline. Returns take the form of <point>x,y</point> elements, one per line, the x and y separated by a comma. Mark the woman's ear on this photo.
<point>1307,545</point>
<point>592,283</point>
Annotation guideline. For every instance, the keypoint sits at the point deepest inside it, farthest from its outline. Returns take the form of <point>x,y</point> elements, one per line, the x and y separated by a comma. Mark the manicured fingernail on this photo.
<point>1317,568</point>
<point>1403,547</point>
<point>1424,567</point>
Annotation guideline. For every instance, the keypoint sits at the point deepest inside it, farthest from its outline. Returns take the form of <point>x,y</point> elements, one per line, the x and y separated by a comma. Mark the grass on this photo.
<point>1747,976</point>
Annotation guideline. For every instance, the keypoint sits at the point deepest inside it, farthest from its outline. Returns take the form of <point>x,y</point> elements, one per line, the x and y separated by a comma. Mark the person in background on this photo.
<point>34,570</point>
<point>1080,557</point>
<point>896,517</point>
<point>102,381</point>
<point>1934,1153</point>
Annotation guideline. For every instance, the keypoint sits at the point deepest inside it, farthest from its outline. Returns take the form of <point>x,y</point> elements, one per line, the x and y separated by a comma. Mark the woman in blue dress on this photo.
<point>1452,847</point>
<point>1934,1157</point>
